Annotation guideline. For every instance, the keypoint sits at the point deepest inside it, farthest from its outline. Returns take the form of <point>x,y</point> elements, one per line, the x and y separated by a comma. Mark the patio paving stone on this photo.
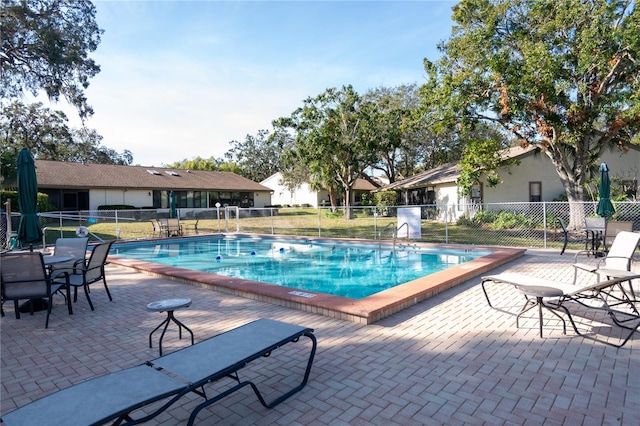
<point>449,360</point>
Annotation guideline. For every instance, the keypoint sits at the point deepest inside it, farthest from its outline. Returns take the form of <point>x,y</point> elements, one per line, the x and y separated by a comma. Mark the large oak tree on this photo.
<point>45,46</point>
<point>562,75</point>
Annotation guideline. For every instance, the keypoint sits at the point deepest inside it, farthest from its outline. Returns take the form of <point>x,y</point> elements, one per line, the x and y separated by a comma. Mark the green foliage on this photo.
<point>385,198</point>
<point>497,220</point>
<point>46,135</point>
<point>258,157</point>
<point>561,75</point>
<point>45,46</point>
<point>481,157</point>
<point>43,201</point>
<point>210,164</point>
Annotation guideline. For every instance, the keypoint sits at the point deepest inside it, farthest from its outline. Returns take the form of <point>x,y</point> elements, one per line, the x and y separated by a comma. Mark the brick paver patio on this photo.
<point>449,360</point>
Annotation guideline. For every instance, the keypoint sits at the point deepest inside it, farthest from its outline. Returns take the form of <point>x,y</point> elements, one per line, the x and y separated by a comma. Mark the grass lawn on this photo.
<point>307,222</point>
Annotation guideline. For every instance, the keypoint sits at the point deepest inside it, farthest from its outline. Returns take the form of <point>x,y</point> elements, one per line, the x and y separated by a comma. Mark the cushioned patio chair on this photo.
<point>91,272</point>
<point>23,276</point>
<point>74,247</point>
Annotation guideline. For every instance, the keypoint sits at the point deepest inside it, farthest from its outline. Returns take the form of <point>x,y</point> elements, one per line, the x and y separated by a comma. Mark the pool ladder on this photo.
<point>394,233</point>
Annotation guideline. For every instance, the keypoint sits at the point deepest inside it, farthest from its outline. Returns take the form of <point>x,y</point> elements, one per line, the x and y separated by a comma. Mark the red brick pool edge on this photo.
<point>364,311</point>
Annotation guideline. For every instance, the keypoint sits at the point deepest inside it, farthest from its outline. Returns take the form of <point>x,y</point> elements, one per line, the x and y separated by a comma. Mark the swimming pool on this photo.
<point>338,268</point>
<point>362,281</point>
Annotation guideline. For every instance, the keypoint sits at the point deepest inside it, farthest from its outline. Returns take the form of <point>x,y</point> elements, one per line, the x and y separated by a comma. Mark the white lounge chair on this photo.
<point>617,263</point>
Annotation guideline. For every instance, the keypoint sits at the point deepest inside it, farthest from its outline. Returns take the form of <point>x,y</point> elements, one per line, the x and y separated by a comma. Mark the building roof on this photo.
<point>449,173</point>
<point>359,185</point>
<point>57,174</point>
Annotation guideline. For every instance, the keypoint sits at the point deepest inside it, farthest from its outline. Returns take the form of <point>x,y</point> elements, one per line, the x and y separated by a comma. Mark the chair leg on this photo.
<point>16,308</point>
<point>104,280</point>
<point>46,324</point>
<point>86,292</point>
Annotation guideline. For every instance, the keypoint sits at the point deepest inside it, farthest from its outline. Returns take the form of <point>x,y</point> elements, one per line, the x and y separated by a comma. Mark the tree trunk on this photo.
<point>572,177</point>
<point>332,198</point>
<point>348,213</point>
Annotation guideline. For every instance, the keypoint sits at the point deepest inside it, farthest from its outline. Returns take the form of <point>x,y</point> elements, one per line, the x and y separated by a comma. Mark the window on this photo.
<point>535,192</point>
<point>476,194</point>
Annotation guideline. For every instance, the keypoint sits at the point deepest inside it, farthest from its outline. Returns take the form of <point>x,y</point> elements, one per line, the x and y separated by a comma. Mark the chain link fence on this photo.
<point>501,224</point>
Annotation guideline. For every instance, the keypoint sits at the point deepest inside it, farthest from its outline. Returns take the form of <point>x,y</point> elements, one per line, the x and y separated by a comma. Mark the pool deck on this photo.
<point>363,311</point>
<point>450,359</point>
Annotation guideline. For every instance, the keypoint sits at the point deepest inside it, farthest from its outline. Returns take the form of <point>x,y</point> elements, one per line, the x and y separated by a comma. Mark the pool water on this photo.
<point>342,269</point>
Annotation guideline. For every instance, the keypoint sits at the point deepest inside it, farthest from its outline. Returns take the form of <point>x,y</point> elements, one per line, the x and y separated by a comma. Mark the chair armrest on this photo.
<point>580,253</point>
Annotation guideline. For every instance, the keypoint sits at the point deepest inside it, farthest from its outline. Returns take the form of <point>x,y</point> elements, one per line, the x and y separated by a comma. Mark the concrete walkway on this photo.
<point>449,360</point>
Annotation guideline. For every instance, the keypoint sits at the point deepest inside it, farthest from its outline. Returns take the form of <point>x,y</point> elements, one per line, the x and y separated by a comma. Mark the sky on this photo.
<point>181,79</point>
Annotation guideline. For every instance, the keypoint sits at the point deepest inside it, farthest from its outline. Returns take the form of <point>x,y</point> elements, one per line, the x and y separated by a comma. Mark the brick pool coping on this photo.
<point>363,311</point>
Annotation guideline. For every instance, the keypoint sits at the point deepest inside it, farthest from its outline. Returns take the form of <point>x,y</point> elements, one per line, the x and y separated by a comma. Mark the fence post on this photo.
<point>117,226</point>
<point>544,222</point>
<point>319,221</point>
<point>271,211</point>
<point>446,224</point>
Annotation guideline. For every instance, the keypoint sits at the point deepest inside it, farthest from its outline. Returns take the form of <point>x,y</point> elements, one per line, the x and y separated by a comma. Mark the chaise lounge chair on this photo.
<point>607,295</point>
<point>616,264</point>
<point>115,396</point>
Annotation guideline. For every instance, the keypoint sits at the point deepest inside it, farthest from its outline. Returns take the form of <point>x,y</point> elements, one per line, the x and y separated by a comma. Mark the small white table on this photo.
<point>539,292</point>
<point>168,306</point>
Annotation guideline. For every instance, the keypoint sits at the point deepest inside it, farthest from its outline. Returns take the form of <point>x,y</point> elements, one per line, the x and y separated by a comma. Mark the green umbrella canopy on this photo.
<point>605,208</point>
<point>173,202</point>
<point>29,229</point>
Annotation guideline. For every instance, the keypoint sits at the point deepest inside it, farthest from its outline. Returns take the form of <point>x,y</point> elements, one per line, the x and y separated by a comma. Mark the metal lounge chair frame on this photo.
<point>116,395</point>
<point>603,292</point>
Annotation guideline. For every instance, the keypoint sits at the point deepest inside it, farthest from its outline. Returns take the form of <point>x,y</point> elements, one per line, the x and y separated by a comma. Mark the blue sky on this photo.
<point>183,78</point>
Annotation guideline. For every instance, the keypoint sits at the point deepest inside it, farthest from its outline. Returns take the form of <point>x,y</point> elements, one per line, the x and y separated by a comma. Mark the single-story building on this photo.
<point>77,186</point>
<point>303,195</point>
<point>532,179</point>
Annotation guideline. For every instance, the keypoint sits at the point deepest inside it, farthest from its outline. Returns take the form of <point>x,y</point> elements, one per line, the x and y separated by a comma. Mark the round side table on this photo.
<point>169,306</point>
<point>539,292</point>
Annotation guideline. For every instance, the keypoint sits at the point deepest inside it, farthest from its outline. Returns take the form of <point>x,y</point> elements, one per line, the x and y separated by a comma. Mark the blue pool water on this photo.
<point>339,268</point>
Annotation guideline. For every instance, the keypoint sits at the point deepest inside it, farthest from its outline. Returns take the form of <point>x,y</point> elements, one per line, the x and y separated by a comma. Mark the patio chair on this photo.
<point>174,227</point>
<point>612,229</point>
<point>91,272</point>
<point>158,228</point>
<point>608,295</point>
<point>617,260</point>
<point>193,227</point>
<point>23,276</point>
<point>74,247</point>
<point>567,237</point>
<point>594,229</point>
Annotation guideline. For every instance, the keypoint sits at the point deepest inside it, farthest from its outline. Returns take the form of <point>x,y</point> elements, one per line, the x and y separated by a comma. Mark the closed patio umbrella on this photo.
<point>173,202</point>
<point>29,229</point>
<point>605,208</point>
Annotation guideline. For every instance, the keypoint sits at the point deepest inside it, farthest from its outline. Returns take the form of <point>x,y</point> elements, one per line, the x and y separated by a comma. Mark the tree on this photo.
<point>562,75</point>
<point>211,164</point>
<point>45,46</point>
<point>46,135</point>
<point>258,156</point>
<point>335,141</point>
